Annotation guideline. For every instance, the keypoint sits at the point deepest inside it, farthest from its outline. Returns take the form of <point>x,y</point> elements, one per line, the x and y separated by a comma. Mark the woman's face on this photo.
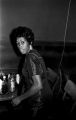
<point>22,45</point>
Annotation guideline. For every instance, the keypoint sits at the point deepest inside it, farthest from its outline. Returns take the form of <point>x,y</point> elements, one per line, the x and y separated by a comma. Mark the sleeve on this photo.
<point>34,66</point>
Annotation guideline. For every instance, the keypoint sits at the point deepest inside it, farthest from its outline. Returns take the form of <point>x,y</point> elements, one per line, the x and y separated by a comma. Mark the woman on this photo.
<point>32,68</point>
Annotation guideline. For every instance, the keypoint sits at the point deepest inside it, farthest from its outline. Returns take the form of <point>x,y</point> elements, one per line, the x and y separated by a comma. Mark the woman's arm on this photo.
<point>37,85</point>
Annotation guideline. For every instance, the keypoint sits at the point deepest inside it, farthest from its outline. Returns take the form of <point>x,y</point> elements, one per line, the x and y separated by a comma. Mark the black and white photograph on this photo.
<point>38,59</point>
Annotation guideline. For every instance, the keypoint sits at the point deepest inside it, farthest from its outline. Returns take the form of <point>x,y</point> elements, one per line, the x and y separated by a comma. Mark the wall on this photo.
<point>47,18</point>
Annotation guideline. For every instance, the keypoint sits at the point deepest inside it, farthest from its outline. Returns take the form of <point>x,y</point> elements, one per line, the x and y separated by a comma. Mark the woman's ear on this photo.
<point>31,47</point>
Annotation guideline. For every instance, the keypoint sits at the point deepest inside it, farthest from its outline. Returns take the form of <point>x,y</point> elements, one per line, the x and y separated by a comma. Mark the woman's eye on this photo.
<point>18,44</point>
<point>22,42</point>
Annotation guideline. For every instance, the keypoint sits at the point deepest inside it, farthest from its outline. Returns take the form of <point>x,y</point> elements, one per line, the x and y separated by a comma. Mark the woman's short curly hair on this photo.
<point>21,31</point>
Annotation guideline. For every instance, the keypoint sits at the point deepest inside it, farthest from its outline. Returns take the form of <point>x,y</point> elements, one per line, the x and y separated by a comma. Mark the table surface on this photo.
<point>8,96</point>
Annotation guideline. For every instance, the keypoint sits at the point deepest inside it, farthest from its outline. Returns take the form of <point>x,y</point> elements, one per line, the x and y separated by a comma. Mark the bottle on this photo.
<point>4,85</point>
<point>17,78</point>
<point>12,84</point>
<point>1,82</point>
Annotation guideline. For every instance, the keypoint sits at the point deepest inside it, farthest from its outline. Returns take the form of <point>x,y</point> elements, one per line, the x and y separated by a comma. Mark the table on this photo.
<point>8,96</point>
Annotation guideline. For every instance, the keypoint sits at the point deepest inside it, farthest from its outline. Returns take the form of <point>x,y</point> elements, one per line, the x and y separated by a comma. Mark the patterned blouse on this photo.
<point>33,64</point>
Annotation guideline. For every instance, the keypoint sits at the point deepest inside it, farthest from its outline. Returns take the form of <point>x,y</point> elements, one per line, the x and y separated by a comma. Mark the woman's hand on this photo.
<point>16,101</point>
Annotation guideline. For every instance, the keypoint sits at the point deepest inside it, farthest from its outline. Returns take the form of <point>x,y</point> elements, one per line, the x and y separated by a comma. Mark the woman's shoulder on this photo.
<point>35,54</point>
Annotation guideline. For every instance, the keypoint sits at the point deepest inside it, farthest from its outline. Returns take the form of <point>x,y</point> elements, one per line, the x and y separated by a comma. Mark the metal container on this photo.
<point>11,83</point>
<point>8,83</point>
<point>3,85</point>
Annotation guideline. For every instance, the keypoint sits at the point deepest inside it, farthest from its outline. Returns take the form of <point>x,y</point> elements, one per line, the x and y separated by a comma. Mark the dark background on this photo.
<point>47,18</point>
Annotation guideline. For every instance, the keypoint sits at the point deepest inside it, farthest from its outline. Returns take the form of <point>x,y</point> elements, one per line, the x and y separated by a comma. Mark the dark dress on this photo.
<point>33,64</point>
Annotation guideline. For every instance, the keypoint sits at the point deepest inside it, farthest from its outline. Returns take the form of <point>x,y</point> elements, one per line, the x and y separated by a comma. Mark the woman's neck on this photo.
<point>30,48</point>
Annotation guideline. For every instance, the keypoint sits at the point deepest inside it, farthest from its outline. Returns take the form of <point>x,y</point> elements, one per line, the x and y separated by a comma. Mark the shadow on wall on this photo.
<point>52,53</point>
